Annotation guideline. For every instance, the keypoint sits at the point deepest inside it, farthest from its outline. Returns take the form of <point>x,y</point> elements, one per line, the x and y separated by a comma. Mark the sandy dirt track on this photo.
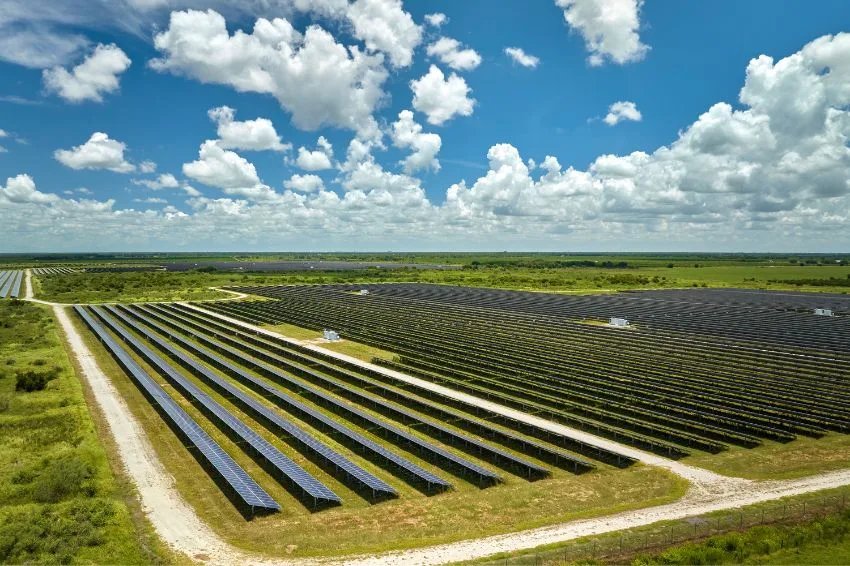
<point>180,527</point>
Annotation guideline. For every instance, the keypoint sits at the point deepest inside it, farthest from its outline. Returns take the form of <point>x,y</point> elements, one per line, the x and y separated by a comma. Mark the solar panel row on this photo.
<point>360,476</point>
<point>282,466</point>
<point>464,466</point>
<point>383,455</point>
<point>434,428</point>
<point>10,284</point>
<point>423,405</point>
<point>246,489</point>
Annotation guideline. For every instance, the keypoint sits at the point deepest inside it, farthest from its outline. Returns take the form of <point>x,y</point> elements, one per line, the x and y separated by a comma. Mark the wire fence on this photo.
<point>649,539</point>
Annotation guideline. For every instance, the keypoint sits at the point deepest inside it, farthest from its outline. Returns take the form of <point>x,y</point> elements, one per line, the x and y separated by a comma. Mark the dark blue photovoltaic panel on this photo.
<point>246,401</point>
<point>4,275</point>
<point>7,282</point>
<point>16,288</point>
<point>278,395</point>
<point>251,493</point>
<point>461,462</point>
<point>285,466</point>
<point>366,398</point>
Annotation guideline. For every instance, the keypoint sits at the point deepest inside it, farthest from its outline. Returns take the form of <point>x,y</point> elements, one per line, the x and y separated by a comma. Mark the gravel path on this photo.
<point>179,526</point>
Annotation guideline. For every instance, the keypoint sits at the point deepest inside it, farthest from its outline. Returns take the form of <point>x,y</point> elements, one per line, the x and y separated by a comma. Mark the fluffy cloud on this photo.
<point>304,183</point>
<point>164,181</point>
<point>441,98</point>
<point>383,25</point>
<point>99,152</point>
<point>147,166</point>
<point>319,81</point>
<point>449,52</point>
<point>21,189</point>
<point>406,133</point>
<point>316,160</point>
<point>622,111</point>
<point>609,28</point>
<point>436,19</point>
<point>770,174</point>
<point>218,167</point>
<point>256,135</point>
<point>90,80</point>
<point>520,57</point>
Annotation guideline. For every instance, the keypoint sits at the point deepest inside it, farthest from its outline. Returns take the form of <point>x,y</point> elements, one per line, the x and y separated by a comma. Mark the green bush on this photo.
<point>64,477</point>
<point>53,534</point>
<point>32,380</point>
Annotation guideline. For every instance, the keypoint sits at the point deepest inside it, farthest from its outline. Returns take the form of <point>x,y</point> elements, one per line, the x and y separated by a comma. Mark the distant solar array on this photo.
<point>52,270</point>
<point>10,284</point>
<point>700,369</point>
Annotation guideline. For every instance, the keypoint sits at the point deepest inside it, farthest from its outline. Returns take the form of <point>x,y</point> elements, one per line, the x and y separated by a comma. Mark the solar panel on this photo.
<point>16,287</point>
<point>411,469</point>
<point>7,286</point>
<point>364,398</point>
<point>364,478</point>
<point>463,464</point>
<point>279,461</point>
<point>431,408</point>
<point>246,488</point>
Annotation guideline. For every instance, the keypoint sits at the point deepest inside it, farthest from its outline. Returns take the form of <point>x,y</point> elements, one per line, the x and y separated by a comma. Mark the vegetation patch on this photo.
<point>59,501</point>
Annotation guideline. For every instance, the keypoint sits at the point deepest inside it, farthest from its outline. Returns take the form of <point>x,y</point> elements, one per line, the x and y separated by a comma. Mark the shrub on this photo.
<point>61,478</point>
<point>32,380</point>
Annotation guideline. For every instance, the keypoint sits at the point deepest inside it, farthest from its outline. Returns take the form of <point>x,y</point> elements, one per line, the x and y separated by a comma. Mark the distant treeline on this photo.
<point>547,264</point>
<point>830,282</point>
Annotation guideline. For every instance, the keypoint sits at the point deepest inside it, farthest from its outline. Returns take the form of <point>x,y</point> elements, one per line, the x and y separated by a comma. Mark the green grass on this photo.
<point>292,331</point>
<point>822,541</point>
<point>650,274</point>
<point>344,346</point>
<point>59,499</point>
<point>409,521</point>
<point>773,460</point>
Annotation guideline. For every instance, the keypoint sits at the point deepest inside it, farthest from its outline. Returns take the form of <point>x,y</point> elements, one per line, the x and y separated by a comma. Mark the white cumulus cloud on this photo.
<point>436,19</point>
<point>90,80</point>
<point>256,135</point>
<point>317,160</point>
<point>609,28</point>
<point>383,25</point>
<point>621,111</point>
<point>319,81</point>
<point>99,152</point>
<point>449,51</point>
<point>441,98</point>
<point>164,181</point>
<point>218,167</point>
<point>304,183</point>
<point>406,133</point>
<point>520,57</point>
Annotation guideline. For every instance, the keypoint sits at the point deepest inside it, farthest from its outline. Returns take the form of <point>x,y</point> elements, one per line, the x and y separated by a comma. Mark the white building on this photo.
<point>618,322</point>
<point>330,335</point>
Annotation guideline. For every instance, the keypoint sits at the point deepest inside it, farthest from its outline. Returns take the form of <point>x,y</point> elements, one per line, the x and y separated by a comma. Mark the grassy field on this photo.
<point>510,272</point>
<point>59,500</point>
<point>774,461</point>
<point>802,529</point>
<point>414,519</point>
<point>354,349</point>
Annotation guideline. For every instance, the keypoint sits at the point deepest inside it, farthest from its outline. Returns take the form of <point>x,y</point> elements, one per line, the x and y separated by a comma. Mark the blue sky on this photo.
<point>766,173</point>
